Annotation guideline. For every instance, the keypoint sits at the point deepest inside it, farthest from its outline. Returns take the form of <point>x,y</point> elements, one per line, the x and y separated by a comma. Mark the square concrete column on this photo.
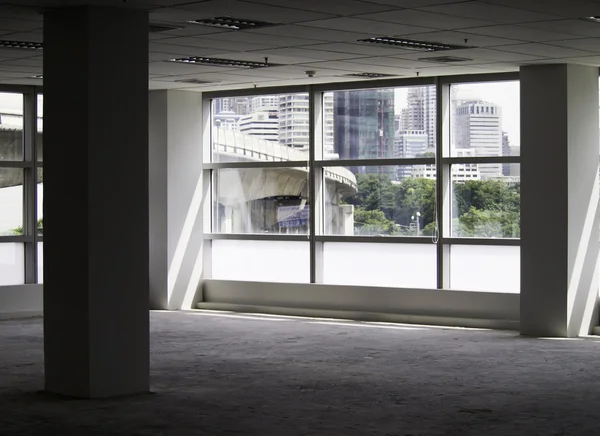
<point>96,202</point>
<point>559,199</point>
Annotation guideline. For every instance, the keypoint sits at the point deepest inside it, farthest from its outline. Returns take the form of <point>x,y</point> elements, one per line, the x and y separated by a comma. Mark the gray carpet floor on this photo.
<point>215,374</point>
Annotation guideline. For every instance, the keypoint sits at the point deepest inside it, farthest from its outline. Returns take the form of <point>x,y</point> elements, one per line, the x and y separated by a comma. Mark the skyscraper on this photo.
<point>364,124</point>
<point>420,112</point>
<point>478,128</point>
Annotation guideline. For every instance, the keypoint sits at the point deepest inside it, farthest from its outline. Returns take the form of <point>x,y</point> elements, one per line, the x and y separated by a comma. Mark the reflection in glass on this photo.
<point>485,268</point>
<point>266,261</point>
<point>379,123</point>
<point>485,206</point>
<point>11,201</point>
<point>372,264</point>
<point>11,126</point>
<point>380,201</point>
<point>260,128</point>
<point>484,119</point>
<point>262,200</point>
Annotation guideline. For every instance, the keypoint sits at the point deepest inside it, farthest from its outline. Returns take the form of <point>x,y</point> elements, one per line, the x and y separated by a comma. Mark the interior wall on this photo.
<point>21,301</point>
<point>426,306</point>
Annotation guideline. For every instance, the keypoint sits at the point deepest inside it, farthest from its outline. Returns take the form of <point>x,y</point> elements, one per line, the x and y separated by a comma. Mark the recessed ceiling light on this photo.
<point>200,60</point>
<point>22,45</point>
<point>370,75</point>
<point>445,59</point>
<point>411,44</point>
<point>232,23</point>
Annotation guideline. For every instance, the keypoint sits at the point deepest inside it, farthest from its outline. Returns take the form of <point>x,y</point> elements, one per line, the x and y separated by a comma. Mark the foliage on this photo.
<point>18,231</point>
<point>481,208</point>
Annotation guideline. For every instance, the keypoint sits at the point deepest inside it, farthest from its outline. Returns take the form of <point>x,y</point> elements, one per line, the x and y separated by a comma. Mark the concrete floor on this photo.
<point>215,374</point>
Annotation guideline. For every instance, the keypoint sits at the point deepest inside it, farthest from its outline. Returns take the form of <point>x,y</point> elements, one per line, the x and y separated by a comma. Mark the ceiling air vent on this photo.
<point>199,60</point>
<point>370,75</point>
<point>410,44</point>
<point>445,59</point>
<point>160,27</point>
<point>22,45</point>
<point>196,81</point>
<point>232,23</point>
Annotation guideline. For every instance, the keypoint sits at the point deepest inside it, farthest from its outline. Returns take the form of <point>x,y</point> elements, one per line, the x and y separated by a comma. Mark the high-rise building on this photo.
<point>262,103</point>
<point>409,144</point>
<point>364,124</point>
<point>227,120</point>
<point>263,124</point>
<point>478,127</point>
<point>420,112</point>
<point>293,120</point>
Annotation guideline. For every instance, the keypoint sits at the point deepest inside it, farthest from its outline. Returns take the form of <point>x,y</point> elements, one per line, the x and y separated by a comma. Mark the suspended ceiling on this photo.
<point>321,36</point>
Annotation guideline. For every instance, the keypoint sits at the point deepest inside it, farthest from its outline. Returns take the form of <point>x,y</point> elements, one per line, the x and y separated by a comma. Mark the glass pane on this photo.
<point>12,264</point>
<point>261,200</point>
<point>484,119</point>
<point>379,123</point>
<point>11,201</point>
<point>392,265</point>
<point>260,128</point>
<point>262,261</point>
<point>11,126</point>
<point>485,268</point>
<point>485,205</point>
<point>40,262</point>
<point>380,200</point>
<point>40,201</point>
<point>40,127</point>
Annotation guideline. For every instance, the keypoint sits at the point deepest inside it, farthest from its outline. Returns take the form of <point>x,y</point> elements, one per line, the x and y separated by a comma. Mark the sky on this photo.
<point>504,94</point>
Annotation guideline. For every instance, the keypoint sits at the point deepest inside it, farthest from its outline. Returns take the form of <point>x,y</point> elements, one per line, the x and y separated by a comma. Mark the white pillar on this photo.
<point>176,192</point>
<point>96,332</point>
<point>559,199</point>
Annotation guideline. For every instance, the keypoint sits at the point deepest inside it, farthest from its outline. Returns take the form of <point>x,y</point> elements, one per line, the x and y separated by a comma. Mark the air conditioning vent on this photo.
<point>199,60</point>
<point>445,59</point>
<point>232,23</point>
<point>411,44</point>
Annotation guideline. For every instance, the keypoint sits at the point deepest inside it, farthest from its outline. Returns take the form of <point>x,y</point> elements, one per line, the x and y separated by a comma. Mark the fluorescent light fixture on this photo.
<point>592,19</point>
<point>22,45</point>
<point>201,60</point>
<point>410,44</point>
<point>232,23</point>
<point>370,75</point>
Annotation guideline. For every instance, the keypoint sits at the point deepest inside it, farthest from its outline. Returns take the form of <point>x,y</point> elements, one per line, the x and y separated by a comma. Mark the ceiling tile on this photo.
<point>180,50</point>
<point>251,11</point>
<point>461,38</point>
<point>214,44</point>
<point>366,26</point>
<point>489,12</point>
<point>413,3</point>
<point>344,8</point>
<point>361,49</point>
<point>589,44</point>
<point>476,54</point>
<point>296,31</point>
<point>259,38</point>
<point>521,33</point>
<point>562,8</point>
<point>426,19</point>
<point>544,50</point>
<point>304,53</point>
<point>573,26</point>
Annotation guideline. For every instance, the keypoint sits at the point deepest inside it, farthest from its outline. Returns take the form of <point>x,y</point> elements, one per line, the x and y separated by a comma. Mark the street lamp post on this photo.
<point>417,220</point>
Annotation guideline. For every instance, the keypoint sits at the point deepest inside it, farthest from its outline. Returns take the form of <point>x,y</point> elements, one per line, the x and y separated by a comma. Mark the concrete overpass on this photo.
<point>274,200</point>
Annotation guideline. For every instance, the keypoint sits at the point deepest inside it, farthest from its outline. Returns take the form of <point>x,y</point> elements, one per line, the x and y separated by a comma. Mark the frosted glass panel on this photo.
<point>262,261</point>
<point>40,262</point>
<point>372,264</point>
<point>485,268</point>
<point>12,264</point>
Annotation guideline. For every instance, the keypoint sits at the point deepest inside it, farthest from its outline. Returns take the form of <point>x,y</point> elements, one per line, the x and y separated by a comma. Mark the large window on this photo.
<point>413,186</point>
<point>20,187</point>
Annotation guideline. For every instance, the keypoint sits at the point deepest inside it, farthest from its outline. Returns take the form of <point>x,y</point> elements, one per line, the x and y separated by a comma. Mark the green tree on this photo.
<point>373,222</point>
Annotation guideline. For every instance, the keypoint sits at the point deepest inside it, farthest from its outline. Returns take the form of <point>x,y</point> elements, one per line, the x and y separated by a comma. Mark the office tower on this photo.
<point>409,144</point>
<point>420,112</point>
<point>264,124</point>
